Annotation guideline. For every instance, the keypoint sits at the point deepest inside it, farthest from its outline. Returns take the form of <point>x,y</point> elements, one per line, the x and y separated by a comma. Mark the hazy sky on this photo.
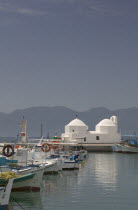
<point>75,53</point>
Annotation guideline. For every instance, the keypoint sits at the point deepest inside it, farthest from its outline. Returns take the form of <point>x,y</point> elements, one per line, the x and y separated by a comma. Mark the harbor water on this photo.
<point>106,181</point>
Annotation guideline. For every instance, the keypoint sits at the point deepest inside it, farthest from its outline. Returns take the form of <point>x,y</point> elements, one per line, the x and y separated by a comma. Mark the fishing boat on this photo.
<point>57,158</point>
<point>37,156</point>
<point>129,149</point>
<point>128,146</point>
<point>26,182</point>
<point>25,179</point>
<point>50,165</point>
<point>68,159</point>
<point>70,162</point>
<point>34,158</point>
<point>5,195</point>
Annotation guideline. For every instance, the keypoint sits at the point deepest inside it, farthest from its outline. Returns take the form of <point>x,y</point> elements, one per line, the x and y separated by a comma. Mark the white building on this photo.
<point>106,132</point>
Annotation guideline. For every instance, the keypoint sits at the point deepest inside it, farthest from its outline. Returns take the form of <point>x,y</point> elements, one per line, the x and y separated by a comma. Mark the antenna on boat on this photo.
<point>47,135</point>
<point>135,135</point>
<point>41,130</point>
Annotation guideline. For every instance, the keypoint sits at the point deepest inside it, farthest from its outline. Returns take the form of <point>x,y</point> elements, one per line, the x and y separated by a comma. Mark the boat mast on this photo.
<point>23,124</point>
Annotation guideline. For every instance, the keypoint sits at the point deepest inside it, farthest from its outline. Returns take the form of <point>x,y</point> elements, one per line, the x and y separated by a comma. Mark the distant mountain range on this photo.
<point>55,118</point>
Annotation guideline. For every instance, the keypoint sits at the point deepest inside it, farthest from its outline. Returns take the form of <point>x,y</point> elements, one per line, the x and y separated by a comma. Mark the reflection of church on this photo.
<point>105,169</point>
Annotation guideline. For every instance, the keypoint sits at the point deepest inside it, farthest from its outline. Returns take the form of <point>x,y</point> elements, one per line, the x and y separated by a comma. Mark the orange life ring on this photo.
<point>56,146</point>
<point>46,147</point>
<point>6,150</point>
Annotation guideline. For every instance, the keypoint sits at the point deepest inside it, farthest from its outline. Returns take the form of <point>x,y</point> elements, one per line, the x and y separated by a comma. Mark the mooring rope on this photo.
<point>18,203</point>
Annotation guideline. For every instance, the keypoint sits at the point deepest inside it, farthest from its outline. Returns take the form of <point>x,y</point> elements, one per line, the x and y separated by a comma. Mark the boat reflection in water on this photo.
<point>56,183</point>
<point>26,199</point>
<point>105,170</point>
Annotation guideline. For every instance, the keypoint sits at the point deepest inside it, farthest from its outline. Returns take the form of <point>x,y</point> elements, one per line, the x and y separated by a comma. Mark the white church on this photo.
<point>106,132</point>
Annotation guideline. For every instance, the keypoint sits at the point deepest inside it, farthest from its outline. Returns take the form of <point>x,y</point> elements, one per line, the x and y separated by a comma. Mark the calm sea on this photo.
<point>108,181</point>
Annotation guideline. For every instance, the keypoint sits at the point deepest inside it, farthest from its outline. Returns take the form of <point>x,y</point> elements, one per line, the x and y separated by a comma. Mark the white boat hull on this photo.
<point>29,184</point>
<point>117,148</point>
<point>129,149</point>
<point>29,179</point>
<point>32,184</point>
<point>51,167</point>
<point>70,165</point>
